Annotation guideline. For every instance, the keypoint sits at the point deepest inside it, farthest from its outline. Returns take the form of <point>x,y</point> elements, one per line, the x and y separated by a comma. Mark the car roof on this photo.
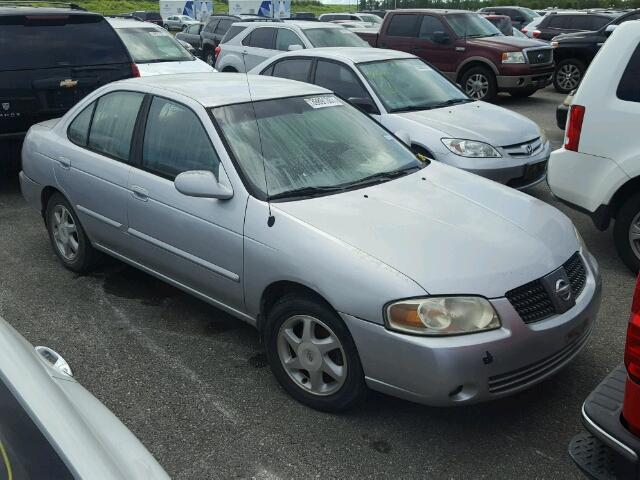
<point>298,23</point>
<point>217,89</point>
<point>123,22</point>
<point>440,11</point>
<point>353,54</point>
<point>23,10</point>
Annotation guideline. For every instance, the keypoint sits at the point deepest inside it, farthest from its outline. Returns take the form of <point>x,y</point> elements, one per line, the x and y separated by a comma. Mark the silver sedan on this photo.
<point>361,265</point>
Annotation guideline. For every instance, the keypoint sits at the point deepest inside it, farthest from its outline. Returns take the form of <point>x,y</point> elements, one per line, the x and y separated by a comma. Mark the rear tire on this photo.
<point>626,233</point>
<point>68,239</point>
<point>568,75</point>
<point>326,378</point>
<point>480,84</point>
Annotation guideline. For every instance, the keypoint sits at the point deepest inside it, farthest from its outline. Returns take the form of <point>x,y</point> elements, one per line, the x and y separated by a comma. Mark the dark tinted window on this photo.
<point>403,26</point>
<point>598,22</point>
<point>297,69</point>
<point>558,21</point>
<point>224,25</point>
<point>170,127</point>
<point>285,38</point>
<point>113,122</point>
<point>194,29</point>
<point>23,447</point>
<point>232,33</point>
<point>211,26</point>
<point>70,40</point>
<point>629,87</point>
<point>340,79</point>
<point>152,16</point>
<point>635,16</point>
<point>430,25</point>
<point>268,71</point>
<point>581,22</point>
<point>79,128</point>
<point>262,38</point>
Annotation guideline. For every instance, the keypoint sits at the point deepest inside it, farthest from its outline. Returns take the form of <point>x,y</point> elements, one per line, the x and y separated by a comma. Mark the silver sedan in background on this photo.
<point>360,264</point>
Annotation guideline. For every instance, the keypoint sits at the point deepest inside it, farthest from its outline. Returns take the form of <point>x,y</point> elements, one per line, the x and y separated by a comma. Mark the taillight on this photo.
<point>216,52</point>
<point>574,127</point>
<point>135,71</point>
<point>631,407</point>
<point>536,33</point>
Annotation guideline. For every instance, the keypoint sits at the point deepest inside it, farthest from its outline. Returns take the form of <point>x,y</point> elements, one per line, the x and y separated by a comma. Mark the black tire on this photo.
<point>230,70</point>
<point>209,57</point>
<point>561,82</point>
<point>353,391</point>
<point>86,257</point>
<point>166,27</point>
<point>524,93</point>
<point>481,73</point>
<point>624,222</point>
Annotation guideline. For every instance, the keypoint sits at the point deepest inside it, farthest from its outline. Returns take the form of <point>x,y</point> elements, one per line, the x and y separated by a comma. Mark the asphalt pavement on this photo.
<point>192,382</point>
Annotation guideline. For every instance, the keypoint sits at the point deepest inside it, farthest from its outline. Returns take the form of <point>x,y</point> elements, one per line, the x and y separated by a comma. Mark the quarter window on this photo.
<point>297,69</point>
<point>285,38</point>
<point>341,80</point>
<point>175,141</point>
<point>113,122</point>
<point>79,128</point>
<point>403,26</point>
<point>629,87</point>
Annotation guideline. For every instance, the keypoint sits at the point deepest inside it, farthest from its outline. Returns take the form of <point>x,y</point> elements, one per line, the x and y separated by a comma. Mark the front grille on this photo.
<point>516,379</point>
<point>532,301</point>
<point>524,149</point>
<point>539,56</point>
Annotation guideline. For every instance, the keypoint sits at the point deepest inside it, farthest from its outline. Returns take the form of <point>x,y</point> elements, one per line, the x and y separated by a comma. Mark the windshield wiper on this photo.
<point>416,108</point>
<point>453,101</point>
<point>383,176</point>
<point>306,192</point>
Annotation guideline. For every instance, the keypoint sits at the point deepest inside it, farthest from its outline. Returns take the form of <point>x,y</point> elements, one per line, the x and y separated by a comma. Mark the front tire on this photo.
<point>480,84</point>
<point>313,355</point>
<point>626,233</point>
<point>568,74</point>
<point>70,243</point>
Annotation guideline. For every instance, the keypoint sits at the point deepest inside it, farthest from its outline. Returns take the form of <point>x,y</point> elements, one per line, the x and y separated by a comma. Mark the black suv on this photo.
<point>520,16</point>
<point>573,52</point>
<point>554,24</point>
<point>151,17</point>
<point>51,58</point>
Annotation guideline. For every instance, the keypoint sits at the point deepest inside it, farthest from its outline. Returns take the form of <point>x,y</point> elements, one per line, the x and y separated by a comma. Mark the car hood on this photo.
<point>450,231</point>
<point>575,36</point>
<point>163,68</point>
<point>504,43</point>
<point>497,126</point>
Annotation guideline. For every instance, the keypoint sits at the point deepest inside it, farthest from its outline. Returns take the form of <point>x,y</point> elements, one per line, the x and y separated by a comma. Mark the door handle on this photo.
<point>139,193</point>
<point>64,162</point>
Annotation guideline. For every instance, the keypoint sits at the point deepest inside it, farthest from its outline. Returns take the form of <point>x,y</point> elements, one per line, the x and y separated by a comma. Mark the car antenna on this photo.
<point>270,219</point>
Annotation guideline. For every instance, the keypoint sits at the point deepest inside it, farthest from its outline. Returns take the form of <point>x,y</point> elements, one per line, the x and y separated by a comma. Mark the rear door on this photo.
<point>82,53</point>
<point>258,46</point>
<point>401,32</point>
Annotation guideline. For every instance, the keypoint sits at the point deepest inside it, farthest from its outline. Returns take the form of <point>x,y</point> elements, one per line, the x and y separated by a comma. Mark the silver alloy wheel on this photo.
<point>65,233</point>
<point>634,235</point>
<point>477,86</point>
<point>568,76</point>
<point>312,355</point>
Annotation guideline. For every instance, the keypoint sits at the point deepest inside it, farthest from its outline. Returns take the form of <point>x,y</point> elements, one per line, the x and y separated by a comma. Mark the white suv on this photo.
<point>598,169</point>
<point>260,41</point>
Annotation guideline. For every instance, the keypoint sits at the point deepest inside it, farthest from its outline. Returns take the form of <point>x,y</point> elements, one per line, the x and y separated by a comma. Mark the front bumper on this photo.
<point>608,450</point>
<point>524,82</point>
<point>477,367</point>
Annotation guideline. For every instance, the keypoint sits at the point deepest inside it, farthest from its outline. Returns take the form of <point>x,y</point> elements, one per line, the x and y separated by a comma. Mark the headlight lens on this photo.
<point>470,148</point>
<point>440,316</point>
<point>513,57</point>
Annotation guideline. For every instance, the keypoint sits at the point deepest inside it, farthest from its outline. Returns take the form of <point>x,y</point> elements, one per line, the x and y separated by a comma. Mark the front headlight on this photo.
<point>513,57</point>
<point>440,316</point>
<point>470,148</point>
<point>543,136</point>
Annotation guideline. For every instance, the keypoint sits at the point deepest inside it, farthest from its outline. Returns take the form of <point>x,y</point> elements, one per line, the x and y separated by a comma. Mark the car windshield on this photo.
<point>528,13</point>
<point>410,84</point>
<point>367,17</point>
<point>311,145</point>
<point>333,37</point>
<point>471,25</point>
<point>151,45</point>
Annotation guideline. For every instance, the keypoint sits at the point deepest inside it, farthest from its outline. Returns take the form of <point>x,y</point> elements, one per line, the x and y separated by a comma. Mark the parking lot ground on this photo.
<point>192,383</point>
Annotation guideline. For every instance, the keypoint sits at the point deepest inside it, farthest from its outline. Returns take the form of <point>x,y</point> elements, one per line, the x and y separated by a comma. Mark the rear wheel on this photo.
<point>626,233</point>
<point>480,84</point>
<point>568,74</point>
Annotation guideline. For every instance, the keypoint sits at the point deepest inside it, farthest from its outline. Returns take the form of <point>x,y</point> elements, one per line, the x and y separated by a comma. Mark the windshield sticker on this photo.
<point>322,102</point>
<point>157,34</point>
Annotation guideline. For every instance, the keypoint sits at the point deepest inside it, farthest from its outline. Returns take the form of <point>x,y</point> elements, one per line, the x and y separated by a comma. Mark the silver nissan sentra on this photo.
<point>361,265</point>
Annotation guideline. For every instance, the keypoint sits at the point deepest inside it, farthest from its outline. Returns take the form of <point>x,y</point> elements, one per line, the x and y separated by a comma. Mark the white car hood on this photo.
<point>477,121</point>
<point>163,68</point>
<point>452,233</point>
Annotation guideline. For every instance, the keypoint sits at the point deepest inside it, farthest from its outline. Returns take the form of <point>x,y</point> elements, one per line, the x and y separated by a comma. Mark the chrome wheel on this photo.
<point>634,235</point>
<point>568,76</point>
<point>312,355</point>
<point>477,86</point>
<point>65,233</point>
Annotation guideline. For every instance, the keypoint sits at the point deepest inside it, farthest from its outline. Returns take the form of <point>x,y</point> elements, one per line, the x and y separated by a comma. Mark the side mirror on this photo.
<point>609,29</point>
<point>202,184</point>
<point>363,104</point>
<point>441,37</point>
<point>404,137</point>
<point>294,48</point>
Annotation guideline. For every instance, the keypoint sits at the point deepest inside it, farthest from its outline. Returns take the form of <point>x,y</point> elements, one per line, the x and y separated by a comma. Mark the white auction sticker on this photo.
<point>324,101</point>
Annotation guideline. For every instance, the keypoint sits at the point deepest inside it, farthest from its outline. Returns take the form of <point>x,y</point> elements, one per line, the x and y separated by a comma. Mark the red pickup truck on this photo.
<point>468,49</point>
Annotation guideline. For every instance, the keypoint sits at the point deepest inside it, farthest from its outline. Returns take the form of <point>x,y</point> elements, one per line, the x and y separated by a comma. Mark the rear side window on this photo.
<point>232,33</point>
<point>297,69</point>
<point>558,21</point>
<point>598,22</point>
<point>629,87</point>
<point>403,26</point>
<point>71,41</point>
<point>171,126</point>
<point>581,22</point>
<point>211,26</point>
<point>113,121</point>
<point>152,16</point>
<point>261,38</point>
<point>340,79</point>
<point>285,38</point>
<point>79,128</point>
